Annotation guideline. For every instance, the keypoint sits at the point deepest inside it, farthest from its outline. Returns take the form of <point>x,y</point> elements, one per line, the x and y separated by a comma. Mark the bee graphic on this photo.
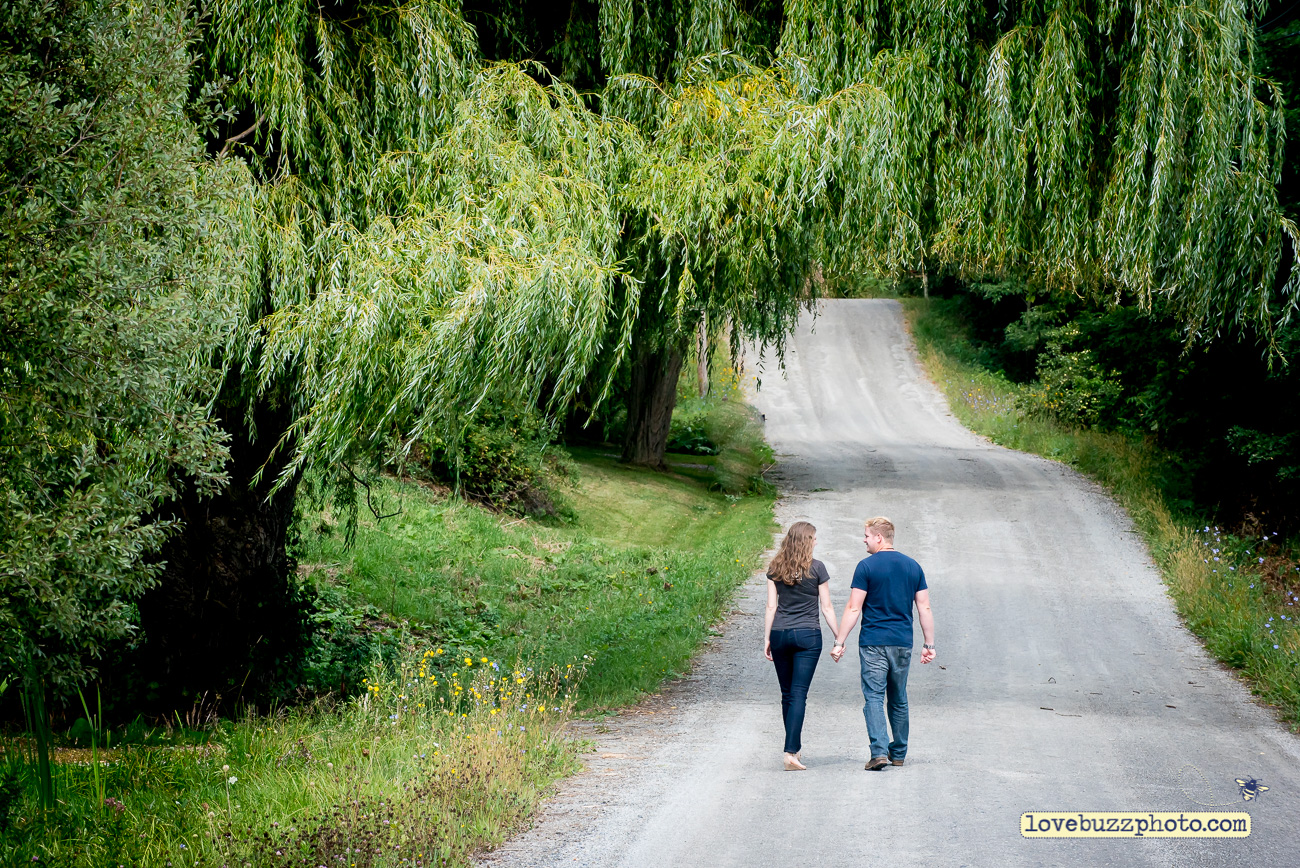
<point>1250,788</point>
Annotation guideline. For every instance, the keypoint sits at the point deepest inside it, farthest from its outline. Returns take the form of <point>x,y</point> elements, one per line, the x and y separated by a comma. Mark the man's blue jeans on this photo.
<point>884,681</point>
<point>795,653</point>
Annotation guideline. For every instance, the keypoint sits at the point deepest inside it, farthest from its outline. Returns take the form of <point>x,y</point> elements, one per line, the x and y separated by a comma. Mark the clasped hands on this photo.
<point>926,655</point>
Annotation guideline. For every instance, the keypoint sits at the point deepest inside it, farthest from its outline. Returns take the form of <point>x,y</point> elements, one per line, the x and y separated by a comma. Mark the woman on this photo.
<point>792,636</point>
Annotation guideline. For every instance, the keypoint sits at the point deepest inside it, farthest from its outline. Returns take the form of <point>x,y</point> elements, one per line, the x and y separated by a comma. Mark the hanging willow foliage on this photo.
<point>500,275</point>
<point>736,185</point>
<point>1085,146</point>
<point>427,228</point>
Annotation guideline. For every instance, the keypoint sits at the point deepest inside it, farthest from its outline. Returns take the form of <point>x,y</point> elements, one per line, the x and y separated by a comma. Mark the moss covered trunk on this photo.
<point>650,403</point>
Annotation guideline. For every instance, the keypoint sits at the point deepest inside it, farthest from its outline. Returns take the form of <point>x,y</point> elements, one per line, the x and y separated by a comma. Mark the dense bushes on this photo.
<point>1073,388</point>
<point>504,460</point>
<point>689,435</point>
<point>1225,411</point>
<point>108,298</point>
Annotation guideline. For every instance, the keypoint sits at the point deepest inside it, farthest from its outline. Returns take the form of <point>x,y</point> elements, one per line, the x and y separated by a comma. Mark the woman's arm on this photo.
<point>852,612</point>
<point>828,608</point>
<point>768,617</point>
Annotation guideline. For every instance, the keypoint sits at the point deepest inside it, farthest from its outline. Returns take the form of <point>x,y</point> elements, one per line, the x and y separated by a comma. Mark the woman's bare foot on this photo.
<point>792,763</point>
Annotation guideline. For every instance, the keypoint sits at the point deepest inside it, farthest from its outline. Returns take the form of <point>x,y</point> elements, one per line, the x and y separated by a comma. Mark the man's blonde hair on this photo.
<point>881,525</point>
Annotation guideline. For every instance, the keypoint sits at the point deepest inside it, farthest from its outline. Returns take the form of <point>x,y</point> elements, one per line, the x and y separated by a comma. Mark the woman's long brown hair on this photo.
<point>794,559</point>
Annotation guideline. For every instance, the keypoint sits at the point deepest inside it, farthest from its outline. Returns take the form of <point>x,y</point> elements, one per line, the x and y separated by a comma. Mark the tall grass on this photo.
<point>1238,595</point>
<point>450,744</point>
<point>417,771</point>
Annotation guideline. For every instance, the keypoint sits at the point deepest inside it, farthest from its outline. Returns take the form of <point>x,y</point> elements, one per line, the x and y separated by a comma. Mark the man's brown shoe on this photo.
<point>877,763</point>
<point>895,762</point>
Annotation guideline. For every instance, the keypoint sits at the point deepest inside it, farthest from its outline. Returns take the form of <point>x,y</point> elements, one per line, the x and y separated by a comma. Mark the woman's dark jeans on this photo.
<point>795,653</point>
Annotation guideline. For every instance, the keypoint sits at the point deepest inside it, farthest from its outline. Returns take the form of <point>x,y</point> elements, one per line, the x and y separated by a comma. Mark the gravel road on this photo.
<point>1064,680</point>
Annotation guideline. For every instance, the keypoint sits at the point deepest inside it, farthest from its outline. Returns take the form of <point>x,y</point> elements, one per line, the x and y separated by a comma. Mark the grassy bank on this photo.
<point>411,773</point>
<point>500,628</point>
<point>1238,594</point>
<point>630,583</point>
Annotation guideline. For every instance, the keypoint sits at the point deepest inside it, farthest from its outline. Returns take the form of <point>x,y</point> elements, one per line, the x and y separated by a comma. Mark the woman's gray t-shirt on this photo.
<point>797,604</point>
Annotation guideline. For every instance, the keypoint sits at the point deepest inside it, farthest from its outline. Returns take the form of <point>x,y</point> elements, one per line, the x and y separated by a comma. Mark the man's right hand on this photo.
<point>927,654</point>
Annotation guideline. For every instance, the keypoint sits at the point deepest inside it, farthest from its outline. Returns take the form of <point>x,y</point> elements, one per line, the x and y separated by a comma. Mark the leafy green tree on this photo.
<point>425,230</point>
<point>111,232</point>
<point>1085,148</point>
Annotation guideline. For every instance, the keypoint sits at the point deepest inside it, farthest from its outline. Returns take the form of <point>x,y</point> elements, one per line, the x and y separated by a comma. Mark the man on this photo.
<point>885,585</point>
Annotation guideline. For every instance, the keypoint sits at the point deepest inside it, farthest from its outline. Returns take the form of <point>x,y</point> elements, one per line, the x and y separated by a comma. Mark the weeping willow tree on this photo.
<point>420,230</point>
<point>1102,149</point>
<point>425,227</point>
<point>727,204</point>
<point>1086,147</point>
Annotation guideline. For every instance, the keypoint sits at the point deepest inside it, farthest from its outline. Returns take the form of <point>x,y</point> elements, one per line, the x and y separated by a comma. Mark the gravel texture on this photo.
<point>1064,680</point>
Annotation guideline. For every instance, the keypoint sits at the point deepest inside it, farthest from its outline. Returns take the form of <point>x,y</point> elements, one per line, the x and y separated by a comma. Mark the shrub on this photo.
<point>107,217</point>
<point>503,461</point>
<point>688,436</point>
<point>346,636</point>
<point>1073,389</point>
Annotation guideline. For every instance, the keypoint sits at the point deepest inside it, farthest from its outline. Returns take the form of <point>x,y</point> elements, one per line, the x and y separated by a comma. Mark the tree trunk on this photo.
<point>650,405</point>
<point>702,357</point>
<point>224,618</point>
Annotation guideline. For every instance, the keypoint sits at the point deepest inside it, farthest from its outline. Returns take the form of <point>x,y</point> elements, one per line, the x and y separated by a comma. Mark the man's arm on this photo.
<point>852,612</point>
<point>927,624</point>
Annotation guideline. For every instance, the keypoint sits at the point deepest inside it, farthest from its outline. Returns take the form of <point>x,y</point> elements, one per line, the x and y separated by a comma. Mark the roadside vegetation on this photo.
<point>272,268</point>
<point>630,577</point>
<point>1238,590</point>
<point>450,643</point>
<point>417,770</point>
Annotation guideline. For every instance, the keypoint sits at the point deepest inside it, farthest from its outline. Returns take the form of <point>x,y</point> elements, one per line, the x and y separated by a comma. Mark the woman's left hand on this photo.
<point>767,649</point>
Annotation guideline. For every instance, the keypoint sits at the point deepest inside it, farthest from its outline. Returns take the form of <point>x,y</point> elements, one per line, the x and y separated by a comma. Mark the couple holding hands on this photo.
<point>885,587</point>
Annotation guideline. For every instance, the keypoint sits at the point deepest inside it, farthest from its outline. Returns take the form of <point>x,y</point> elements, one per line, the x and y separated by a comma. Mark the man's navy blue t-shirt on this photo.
<point>891,580</point>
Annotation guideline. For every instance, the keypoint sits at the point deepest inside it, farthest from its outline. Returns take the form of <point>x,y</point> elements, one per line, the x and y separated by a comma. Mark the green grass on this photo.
<point>407,774</point>
<point>633,583</point>
<point>512,625</point>
<point>1241,613</point>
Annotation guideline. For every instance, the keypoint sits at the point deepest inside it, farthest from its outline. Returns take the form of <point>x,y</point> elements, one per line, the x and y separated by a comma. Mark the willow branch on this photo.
<point>240,136</point>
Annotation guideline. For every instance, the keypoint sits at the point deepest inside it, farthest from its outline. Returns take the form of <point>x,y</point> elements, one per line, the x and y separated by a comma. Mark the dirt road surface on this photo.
<point>1064,680</point>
